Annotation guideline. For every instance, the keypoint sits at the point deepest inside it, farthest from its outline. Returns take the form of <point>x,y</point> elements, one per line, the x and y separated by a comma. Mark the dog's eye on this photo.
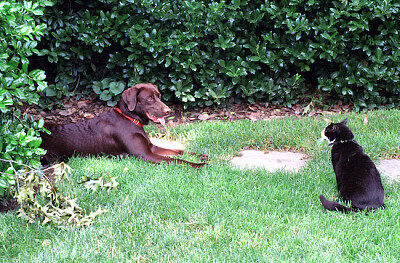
<point>150,99</point>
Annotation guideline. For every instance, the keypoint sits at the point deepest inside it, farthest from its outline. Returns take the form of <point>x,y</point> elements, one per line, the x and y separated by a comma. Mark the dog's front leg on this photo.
<point>174,152</point>
<point>165,152</point>
<point>140,147</point>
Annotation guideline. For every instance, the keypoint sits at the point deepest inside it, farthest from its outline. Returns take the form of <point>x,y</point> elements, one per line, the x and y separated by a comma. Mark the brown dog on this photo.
<point>118,132</point>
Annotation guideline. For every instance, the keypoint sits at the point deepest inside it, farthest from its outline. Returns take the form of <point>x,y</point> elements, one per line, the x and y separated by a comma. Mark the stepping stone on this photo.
<point>271,161</point>
<point>390,169</point>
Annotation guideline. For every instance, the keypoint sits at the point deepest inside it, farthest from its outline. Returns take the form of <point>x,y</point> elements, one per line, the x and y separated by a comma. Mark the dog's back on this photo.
<point>89,137</point>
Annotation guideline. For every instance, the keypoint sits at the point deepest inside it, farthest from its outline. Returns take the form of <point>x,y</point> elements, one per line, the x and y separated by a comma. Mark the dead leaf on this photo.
<point>365,120</point>
<point>83,103</point>
<point>45,242</point>
<point>203,117</point>
<point>88,115</point>
<point>254,117</point>
<point>67,112</point>
<point>253,108</point>
<point>312,113</point>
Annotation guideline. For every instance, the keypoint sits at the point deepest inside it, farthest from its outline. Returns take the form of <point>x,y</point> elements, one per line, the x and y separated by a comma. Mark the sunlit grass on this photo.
<point>217,213</point>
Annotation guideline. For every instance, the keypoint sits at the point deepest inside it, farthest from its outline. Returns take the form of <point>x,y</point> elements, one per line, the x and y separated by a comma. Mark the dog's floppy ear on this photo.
<point>129,97</point>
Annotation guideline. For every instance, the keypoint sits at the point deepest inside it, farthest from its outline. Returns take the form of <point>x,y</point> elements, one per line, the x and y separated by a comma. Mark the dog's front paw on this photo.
<point>198,165</point>
<point>204,157</point>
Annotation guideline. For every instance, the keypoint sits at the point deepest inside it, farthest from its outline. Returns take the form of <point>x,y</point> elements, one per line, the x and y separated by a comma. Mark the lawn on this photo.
<point>220,213</point>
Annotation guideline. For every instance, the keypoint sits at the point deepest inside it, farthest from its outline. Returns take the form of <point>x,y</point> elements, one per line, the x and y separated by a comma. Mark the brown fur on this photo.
<point>113,134</point>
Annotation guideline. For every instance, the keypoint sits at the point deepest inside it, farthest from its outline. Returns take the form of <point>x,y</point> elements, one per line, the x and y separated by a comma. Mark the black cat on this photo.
<point>357,178</point>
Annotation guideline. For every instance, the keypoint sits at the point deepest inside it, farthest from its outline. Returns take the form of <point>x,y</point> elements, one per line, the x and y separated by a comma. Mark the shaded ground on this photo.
<point>8,205</point>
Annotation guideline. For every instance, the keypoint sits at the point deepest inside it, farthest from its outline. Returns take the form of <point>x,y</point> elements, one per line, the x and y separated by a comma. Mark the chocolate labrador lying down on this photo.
<point>118,132</point>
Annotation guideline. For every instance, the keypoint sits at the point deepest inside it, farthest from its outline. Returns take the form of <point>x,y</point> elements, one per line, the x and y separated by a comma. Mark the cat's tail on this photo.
<point>333,206</point>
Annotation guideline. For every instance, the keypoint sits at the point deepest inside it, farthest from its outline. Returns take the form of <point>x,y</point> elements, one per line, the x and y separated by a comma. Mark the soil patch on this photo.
<point>8,205</point>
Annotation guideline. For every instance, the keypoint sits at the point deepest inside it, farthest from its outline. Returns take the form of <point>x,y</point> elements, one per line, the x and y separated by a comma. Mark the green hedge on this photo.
<point>206,52</point>
<point>19,138</point>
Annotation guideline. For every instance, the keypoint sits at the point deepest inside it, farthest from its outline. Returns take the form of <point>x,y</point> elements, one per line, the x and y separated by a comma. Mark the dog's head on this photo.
<point>144,100</point>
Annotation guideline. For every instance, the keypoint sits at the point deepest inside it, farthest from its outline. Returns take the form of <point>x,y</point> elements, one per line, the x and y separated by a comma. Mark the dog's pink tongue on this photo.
<point>155,119</point>
<point>161,120</point>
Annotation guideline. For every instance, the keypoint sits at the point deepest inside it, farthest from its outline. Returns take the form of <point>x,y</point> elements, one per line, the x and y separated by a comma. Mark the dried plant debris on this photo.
<point>39,198</point>
<point>75,110</point>
<point>103,182</point>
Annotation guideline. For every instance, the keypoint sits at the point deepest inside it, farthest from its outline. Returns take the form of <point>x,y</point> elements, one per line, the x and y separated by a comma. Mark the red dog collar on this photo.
<point>129,118</point>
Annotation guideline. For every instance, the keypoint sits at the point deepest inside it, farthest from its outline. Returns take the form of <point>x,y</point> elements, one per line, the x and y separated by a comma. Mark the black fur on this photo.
<point>357,178</point>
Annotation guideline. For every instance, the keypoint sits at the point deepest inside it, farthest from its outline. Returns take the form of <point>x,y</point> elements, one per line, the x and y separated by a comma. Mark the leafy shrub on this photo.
<point>205,52</point>
<point>19,34</point>
<point>108,90</point>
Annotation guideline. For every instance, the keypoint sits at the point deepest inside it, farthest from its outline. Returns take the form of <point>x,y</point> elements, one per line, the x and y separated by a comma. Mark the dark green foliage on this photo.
<point>205,52</point>
<point>19,33</point>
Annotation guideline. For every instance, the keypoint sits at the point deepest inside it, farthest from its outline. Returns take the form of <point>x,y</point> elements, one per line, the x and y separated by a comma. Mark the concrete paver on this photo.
<point>271,161</point>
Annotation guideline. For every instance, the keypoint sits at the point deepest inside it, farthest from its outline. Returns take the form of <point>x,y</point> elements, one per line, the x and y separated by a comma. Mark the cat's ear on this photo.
<point>344,121</point>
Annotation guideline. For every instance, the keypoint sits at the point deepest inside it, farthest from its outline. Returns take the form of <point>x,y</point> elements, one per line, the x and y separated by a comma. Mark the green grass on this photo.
<point>218,213</point>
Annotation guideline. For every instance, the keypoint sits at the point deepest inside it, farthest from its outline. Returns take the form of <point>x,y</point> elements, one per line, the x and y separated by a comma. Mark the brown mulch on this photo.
<point>76,110</point>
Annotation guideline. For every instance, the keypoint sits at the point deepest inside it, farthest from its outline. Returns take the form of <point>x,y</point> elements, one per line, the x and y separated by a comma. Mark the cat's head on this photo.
<point>336,132</point>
